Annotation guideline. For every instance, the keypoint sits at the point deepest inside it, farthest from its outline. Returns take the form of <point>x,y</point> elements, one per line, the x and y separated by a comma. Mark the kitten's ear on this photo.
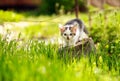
<point>61,27</point>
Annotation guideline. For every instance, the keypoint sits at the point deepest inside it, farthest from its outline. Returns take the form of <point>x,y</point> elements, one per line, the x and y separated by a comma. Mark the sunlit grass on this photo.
<point>32,60</point>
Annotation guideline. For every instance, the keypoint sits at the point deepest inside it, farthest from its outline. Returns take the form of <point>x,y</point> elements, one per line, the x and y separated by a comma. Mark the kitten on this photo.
<point>73,31</point>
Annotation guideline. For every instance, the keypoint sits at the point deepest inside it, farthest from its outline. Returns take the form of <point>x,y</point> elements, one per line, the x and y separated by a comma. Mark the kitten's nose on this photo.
<point>68,38</point>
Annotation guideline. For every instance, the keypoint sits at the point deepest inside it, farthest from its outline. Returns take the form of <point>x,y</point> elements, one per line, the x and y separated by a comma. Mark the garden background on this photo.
<point>30,37</point>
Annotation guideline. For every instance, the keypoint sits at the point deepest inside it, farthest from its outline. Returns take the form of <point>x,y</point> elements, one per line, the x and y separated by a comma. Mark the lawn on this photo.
<point>32,60</point>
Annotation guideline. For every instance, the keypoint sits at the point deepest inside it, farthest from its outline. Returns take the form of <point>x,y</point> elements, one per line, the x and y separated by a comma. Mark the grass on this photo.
<point>39,62</point>
<point>10,16</point>
<point>32,60</point>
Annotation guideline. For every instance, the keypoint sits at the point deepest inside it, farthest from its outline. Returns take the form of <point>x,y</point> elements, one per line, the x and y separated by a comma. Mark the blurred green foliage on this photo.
<point>105,29</point>
<point>59,6</point>
<point>10,16</point>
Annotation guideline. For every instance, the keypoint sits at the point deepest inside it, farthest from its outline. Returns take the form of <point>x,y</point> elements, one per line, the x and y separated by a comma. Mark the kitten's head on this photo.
<point>68,32</point>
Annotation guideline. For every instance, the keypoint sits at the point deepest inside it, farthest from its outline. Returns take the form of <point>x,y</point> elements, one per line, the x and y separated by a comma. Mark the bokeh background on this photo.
<point>30,39</point>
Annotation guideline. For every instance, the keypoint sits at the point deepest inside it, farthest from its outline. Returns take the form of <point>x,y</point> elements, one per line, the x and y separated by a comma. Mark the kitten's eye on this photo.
<point>69,28</point>
<point>66,28</point>
<point>74,34</point>
<point>65,34</point>
<point>70,34</point>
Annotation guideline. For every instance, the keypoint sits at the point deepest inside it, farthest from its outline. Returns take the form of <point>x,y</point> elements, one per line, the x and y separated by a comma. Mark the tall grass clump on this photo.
<point>30,61</point>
